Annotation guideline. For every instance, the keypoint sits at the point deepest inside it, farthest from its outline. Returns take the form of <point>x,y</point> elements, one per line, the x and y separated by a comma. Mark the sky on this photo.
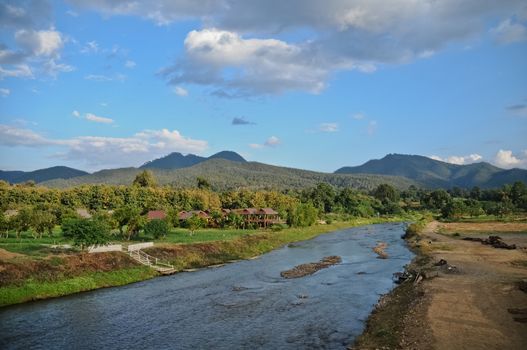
<point>97,84</point>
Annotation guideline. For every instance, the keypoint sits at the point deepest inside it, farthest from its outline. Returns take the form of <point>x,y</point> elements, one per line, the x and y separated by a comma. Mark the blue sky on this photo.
<point>306,84</point>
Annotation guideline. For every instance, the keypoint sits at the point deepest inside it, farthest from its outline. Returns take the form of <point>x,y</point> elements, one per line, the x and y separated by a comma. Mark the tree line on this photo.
<point>123,209</point>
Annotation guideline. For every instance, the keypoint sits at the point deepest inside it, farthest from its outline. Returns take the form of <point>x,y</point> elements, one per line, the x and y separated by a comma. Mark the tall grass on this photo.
<point>35,290</point>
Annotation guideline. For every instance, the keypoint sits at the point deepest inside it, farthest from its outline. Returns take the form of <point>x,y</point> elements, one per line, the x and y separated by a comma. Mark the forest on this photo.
<point>121,210</point>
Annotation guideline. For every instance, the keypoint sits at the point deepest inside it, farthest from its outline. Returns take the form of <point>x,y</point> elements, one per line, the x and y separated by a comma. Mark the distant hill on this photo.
<point>225,174</point>
<point>436,174</point>
<point>177,160</point>
<point>41,175</point>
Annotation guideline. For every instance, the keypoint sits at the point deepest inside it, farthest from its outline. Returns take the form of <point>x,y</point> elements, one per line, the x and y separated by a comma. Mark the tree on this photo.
<point>135,224</point>
<point>5,225</point>
<point>145,179</point>
<point>22,221</point>
<point>156,228</point>
<point>518,193</point>
<point>194,222</point>
<point>124,215</point>
<point>304,214</point>
<point>386,193</point>
<point>42,221</point>
<point>438,199</point>
<point>86,232</point>
<point>454,209</point>
<point>203,183</point>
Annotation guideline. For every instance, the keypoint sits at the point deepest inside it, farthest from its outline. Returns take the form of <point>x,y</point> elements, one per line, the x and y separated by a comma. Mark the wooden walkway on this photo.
<point>153,262</point>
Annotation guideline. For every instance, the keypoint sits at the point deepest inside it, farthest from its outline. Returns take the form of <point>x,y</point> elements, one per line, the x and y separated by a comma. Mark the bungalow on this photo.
<point>156,215</point>
<point>263,217</point>
<point>184,215</point>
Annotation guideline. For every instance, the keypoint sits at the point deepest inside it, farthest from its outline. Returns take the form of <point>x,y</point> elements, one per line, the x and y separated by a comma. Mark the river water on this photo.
<point>243,305</point>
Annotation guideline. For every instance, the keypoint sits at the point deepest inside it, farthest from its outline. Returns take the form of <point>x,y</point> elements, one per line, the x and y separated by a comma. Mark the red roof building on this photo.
<point>156,215</point>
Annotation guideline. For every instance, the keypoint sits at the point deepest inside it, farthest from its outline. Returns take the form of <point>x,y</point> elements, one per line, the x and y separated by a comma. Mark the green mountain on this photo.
<point>435,174</point>
<point>225,174</point>
<point>41,175</point>
<point>177,160</point>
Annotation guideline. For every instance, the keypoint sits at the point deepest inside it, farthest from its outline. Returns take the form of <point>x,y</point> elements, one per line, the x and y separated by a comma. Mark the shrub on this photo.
<point>156,228</point>
<point>86,232</point>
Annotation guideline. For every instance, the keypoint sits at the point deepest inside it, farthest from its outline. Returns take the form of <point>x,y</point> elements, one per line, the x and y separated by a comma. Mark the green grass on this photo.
<point>35,290</point>
<point>30,249</point>
<point>204,235</point>
<point>490,218</point>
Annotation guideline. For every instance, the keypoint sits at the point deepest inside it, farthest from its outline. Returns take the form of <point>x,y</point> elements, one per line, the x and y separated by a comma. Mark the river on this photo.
<point>243,305</point>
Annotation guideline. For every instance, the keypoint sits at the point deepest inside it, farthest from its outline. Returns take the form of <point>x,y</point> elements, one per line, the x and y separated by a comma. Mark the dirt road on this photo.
<point>476,305</point>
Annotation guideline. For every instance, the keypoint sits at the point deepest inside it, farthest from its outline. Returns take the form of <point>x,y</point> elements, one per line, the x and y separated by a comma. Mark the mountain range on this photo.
<point>228,170</point>
<point>177,160</point>
<point>436,174</point>
<point>41,175</point>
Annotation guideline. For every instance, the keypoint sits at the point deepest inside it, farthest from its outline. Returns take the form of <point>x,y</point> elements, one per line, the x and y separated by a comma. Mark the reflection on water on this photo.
<point>241,305</point>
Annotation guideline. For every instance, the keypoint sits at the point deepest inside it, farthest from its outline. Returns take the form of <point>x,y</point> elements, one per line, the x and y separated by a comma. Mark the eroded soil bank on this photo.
<point>471,297</point>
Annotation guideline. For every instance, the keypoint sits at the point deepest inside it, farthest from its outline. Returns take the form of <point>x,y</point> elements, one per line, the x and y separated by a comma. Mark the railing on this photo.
<point>149,260</point>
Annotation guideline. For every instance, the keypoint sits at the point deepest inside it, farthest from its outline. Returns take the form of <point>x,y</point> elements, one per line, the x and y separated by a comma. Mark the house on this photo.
<point>156,215</point>
<point>268,217</point>
<point>184,215</point>
<point>263,217</point>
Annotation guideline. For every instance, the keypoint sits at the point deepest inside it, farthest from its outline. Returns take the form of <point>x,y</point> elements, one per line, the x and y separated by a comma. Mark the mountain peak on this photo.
<point>228,155</point>
<point>435,173</point>
<point>176,160</point>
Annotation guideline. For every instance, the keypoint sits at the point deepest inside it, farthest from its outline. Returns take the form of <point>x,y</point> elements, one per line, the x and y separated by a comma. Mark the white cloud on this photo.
<point>508,32</point>
<point>358,116</point>
<point>519,110</point>
<point>372,127</point>
<point>272,141</point>
<point>130,64</point>
<point>339,35</point>
<point>17,71</point>
<point>40,43</point>
<point>328,127</point>
<point>4,92</point>
<point>104,78</point>
<point>76,114</point>
<point>13,136</point>
<point>90,47</point>
<point>99,151</point>
<point>506,159</point>
<point>97,119</point>
<point>239,67</point>
<point>460,160</point>
<point>72,13</point>
<point>178,90</point>
<point>37,45</point>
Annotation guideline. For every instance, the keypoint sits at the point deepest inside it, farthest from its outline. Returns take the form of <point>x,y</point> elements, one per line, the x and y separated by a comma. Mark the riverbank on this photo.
<point>470,296</point>
<point>24,278</point>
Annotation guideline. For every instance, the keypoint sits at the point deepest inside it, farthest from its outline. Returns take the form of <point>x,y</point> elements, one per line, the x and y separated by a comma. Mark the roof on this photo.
<point>246,211</point>
<point>10,212</point>
<point>156,214</point>
<point>83,213</point>
<point>267,211</point>
<point>184,215</point>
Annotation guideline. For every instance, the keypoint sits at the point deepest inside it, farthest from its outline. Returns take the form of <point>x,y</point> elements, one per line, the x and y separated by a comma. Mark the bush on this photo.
<point>303,215</point>
<point>277,227</point>
<point>156,228</point>
<point>86,232</point>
